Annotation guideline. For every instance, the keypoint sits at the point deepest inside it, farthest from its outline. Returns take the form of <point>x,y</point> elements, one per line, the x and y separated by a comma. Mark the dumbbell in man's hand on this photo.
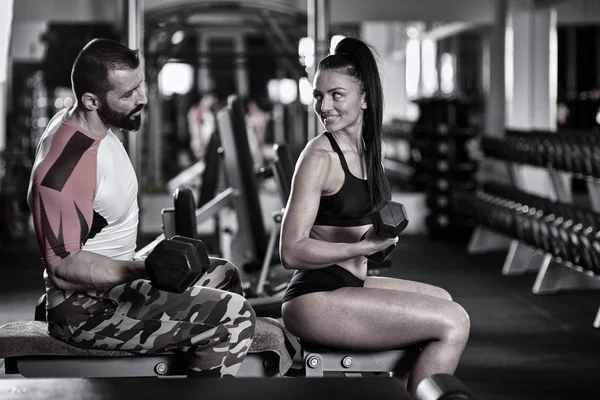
<point>389,220</point>
<point>176,264</point>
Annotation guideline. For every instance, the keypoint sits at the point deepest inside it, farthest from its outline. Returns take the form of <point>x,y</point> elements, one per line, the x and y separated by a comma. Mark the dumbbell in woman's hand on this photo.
<point>389,220</point>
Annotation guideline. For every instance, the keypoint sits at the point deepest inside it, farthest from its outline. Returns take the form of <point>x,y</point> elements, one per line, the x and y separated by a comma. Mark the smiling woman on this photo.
<point>339,101</point>
<point>326,232</point>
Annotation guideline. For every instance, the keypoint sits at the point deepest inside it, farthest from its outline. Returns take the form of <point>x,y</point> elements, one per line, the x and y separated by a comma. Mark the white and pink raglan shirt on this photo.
<point>83,195</point>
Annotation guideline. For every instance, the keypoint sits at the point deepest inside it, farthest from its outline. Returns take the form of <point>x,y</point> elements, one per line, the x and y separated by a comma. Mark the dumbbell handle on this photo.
<point>380,255</point>
<point>176,264</point>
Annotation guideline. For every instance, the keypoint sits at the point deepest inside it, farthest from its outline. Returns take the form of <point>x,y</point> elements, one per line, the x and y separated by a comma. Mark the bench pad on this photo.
<point>31,338</point>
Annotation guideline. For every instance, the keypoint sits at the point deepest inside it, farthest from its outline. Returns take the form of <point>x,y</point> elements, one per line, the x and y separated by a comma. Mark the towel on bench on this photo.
<point>31,338</point>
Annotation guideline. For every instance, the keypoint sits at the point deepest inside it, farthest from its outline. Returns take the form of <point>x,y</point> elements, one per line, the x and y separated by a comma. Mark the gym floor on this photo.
<point>522,346</point>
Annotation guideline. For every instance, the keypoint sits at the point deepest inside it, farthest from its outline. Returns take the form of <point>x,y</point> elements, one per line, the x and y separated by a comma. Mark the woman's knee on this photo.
<point>442,293</point>
<point>458,323</point>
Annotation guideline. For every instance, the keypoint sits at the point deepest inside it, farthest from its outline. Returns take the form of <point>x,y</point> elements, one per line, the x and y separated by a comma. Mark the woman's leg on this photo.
<point>381,282</point>
<point>376,319</point>
<point>407,286</point>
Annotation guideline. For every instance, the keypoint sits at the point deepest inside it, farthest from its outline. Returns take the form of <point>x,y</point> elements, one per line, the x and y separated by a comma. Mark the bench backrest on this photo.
<point>283,170</point>
<point>251,240</point>
<point>212,171</point>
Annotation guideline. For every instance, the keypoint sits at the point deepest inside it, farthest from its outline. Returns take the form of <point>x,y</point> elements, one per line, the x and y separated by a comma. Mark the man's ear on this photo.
<point>90,101</point>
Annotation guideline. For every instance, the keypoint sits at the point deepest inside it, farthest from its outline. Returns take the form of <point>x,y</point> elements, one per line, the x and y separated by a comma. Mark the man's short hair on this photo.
<point>95,61</point>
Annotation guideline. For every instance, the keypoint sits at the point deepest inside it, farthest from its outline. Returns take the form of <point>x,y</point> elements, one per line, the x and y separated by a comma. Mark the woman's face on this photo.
<point>339,101</point>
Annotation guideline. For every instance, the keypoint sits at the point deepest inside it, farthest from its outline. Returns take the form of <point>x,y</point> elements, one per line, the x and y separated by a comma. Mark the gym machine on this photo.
<point>251,247</point>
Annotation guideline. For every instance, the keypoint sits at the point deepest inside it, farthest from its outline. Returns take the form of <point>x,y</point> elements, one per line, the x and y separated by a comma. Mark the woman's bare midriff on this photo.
<point>347,234</point>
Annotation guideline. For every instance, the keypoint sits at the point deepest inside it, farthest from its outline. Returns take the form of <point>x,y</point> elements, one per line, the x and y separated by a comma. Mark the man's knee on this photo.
<point>223,275</point>
<point>242,317</point>
<point>241,305</point>
<point>231,306</point>
<point>232,278</point>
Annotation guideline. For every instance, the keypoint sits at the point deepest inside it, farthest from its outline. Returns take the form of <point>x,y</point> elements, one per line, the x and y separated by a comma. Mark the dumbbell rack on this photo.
<point>553,274</point>
<point>398,169</point>
<point>440,137</point>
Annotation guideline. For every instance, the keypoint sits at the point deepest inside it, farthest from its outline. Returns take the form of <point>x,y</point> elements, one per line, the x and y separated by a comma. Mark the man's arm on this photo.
<point>83,270</point>
<point>62,221</point>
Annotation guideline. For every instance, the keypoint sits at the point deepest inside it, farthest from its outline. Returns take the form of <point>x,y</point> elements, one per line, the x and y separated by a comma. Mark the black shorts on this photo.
<point>320,280</point>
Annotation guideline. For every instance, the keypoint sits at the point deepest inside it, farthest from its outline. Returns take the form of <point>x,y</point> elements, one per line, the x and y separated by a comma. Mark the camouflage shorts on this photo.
<point>211,321</point>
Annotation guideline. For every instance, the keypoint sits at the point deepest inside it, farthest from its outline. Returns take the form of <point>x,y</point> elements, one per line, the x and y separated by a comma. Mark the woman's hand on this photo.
<point>374,242</point>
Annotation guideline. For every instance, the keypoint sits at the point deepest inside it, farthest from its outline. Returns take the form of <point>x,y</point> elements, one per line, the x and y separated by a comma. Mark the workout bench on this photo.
<point>29,350</point>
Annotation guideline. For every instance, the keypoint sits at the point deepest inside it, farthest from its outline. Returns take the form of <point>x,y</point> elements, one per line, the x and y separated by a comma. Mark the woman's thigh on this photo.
<point>404,285</point>
<point>369,318</point>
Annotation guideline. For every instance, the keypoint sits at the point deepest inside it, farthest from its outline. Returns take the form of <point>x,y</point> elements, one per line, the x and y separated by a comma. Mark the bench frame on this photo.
<point>312,361</point>
<point>316,363</point>
<point>156,365</point>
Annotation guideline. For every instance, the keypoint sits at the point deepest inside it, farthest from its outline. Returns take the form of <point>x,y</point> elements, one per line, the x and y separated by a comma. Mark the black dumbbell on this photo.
<point>524,223</point>
<point>555,240</point>
<point>596,160</point>
<point>587,259</point>
<point>569,240</point>
<point>595,252</point>
<point>584,227</point>
<point>578,252</point>
<point>570,231</point>
<point>535,221</point>
<point>176,264</point>
<point>389,220</point>
<point>500,213</point>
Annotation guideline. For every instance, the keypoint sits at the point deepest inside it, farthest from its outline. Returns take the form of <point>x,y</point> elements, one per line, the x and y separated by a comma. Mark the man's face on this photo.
<point>122,105</point>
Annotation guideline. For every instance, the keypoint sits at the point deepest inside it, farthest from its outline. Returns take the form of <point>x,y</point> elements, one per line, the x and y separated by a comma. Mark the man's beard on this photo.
<point>119,120</point>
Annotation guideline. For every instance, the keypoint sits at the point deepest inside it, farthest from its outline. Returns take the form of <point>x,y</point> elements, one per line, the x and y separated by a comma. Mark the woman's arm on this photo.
<point>298,250</point>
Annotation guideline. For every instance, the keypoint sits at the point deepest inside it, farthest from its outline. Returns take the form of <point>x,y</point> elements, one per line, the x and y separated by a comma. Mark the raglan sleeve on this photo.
<point>62,216</point>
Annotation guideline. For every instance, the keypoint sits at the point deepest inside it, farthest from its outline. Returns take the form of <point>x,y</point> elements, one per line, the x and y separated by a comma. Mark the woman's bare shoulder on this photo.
<point>318,149</point>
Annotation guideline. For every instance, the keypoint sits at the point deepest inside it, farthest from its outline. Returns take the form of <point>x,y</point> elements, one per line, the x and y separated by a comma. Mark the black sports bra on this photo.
<point>351,205</point>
